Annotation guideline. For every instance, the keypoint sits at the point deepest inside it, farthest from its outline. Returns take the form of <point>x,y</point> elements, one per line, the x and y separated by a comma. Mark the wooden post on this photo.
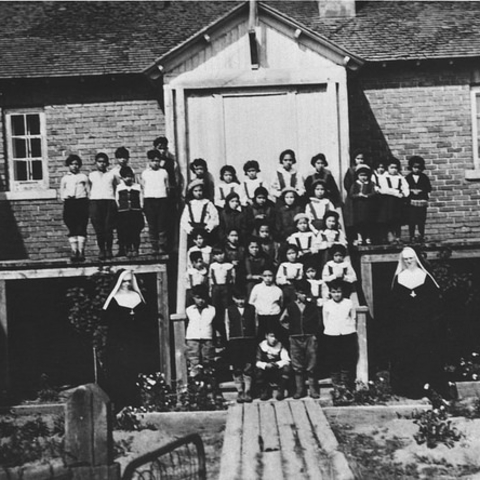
<point>362,363</point>
<point>88,435</point>
<point>4,361</point>
<point>164,324</point>
<point>367,282</point>
<point>178,321</point>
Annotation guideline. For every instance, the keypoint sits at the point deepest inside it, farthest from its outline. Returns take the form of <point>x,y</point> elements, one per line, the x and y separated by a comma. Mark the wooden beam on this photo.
<point>367,283</point>
<point>164,325</point>
<point>178,325</point>
<point>4,359</point>
<point>68,272</point>
<point>362,362</point>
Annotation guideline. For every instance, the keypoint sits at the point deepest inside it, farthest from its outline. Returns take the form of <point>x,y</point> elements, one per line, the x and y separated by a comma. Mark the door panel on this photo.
<point>233,127</point>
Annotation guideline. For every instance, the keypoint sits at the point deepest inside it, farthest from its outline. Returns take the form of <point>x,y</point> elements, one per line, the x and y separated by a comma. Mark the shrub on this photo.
<point>30,441</point>
<point>435,428</point>
<point>377,391</point>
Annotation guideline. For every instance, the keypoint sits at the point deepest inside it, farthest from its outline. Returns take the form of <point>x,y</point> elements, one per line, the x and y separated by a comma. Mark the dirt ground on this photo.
<point>387,450</point>
<point>132,444</point>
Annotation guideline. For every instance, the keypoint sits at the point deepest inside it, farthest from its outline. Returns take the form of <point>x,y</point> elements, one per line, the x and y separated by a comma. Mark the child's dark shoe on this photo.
<point>280,394</point>
<point>240,397</point>
<point>265,395</point>
<point>247,397</point>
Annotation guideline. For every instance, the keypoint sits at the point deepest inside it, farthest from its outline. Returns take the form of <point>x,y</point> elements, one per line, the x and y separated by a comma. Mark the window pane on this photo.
<point>18,124</point>
<point>19,148</point>
<point>33,124</point>
<point>21,171</point>
<point>35,147</point>
<point>37,173</point>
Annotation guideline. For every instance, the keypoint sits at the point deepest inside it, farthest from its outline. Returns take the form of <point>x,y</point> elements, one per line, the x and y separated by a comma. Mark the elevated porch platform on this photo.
<point>15,270</point>
<point>368,256</point>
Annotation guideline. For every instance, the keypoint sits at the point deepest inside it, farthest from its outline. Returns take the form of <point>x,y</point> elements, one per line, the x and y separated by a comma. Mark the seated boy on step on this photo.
<point>273,366</point>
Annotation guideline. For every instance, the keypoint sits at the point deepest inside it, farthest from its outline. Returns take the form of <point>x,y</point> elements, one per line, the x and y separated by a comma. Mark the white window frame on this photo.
<point>475,173</point>
<point>27,189</point>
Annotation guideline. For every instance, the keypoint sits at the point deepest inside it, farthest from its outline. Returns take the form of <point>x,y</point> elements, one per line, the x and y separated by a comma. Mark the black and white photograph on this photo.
<point>240,240</point>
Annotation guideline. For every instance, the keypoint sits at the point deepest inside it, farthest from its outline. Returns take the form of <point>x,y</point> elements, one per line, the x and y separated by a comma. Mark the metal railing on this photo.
<point>182,459</point>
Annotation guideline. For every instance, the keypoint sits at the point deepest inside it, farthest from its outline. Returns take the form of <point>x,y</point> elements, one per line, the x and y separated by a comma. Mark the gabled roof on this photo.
<point>398,30</point>
<point>44,39</point>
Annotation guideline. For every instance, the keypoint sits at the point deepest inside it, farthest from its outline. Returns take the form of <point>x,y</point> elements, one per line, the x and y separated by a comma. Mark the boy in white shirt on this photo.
<point>339,267</point>
<point>267,299</point>
<point>102,205</point>
<point>340,335</point>
<point>198,337</point>
<point>221,277</point>
<point>155,199</point>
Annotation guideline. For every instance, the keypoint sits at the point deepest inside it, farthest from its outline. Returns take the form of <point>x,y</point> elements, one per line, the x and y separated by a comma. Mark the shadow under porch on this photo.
<point>36,336</point>
<point>456,267</point>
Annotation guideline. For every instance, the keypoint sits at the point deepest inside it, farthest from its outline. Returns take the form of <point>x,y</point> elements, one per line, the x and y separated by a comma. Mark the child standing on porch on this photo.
<point>318,205</point>
<point>420,189</point>
<point>200,172</point>
<point>394,191</point>
<point>130,216</point>
<point>228,184</point>
<point>287,207</point>
<point>221,276</point>
<point>320,164</point>
<point>197,274</point>
<point>287,176</point>
<point>122,156</point>
<point>267,299</point>
<point>103,208</point>
<point>241,330</point>
<point>199,212</point>
<point>340,334</point>
<point>155,194</point>
<point>251,181</point>
<point>74,188</point>
<point>198,337</point>
<point>302,320</point>
<point>363,202</point>
<point>200,244</point>
<point>338,268</point>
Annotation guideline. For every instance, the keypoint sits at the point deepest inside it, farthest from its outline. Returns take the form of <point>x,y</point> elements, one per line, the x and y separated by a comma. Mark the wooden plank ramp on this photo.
<point>275,440</point>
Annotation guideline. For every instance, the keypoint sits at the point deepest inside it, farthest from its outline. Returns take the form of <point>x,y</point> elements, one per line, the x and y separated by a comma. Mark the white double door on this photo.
<point>229,127</point>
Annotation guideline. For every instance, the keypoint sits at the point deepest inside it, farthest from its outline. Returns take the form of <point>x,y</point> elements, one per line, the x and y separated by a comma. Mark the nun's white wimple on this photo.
<point>402,266</point>
<point>117,286</point>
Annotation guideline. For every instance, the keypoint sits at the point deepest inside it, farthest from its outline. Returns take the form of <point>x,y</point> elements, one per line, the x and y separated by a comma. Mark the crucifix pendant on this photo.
<point>413,294</point>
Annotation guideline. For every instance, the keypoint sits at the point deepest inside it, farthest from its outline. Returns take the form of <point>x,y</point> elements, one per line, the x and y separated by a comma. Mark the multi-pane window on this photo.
<point>26,146</point>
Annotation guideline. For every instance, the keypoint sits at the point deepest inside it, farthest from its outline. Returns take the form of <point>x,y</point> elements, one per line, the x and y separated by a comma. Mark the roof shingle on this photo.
<point>93,38</point>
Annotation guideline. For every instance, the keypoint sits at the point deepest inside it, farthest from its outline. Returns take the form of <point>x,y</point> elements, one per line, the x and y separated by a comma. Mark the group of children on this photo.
<point>114,200</point>
<point>270,264</point>
<point>268,277</point>
<point>380,201</point>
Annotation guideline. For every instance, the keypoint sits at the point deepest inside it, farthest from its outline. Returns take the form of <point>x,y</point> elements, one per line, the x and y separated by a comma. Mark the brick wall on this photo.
<point>423,110</point>
<point>34,228</point>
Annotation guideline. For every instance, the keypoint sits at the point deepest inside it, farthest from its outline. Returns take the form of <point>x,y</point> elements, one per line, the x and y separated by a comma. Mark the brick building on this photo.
<point>398,78</point>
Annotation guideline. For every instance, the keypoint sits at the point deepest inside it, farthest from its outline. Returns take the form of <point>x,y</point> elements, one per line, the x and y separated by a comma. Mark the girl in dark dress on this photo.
<point>358,158</point>
<point>232,216</point>
<point>416,330</point>
<point>128,339</point>
<point>362,195</point>
<point>320,164</point>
